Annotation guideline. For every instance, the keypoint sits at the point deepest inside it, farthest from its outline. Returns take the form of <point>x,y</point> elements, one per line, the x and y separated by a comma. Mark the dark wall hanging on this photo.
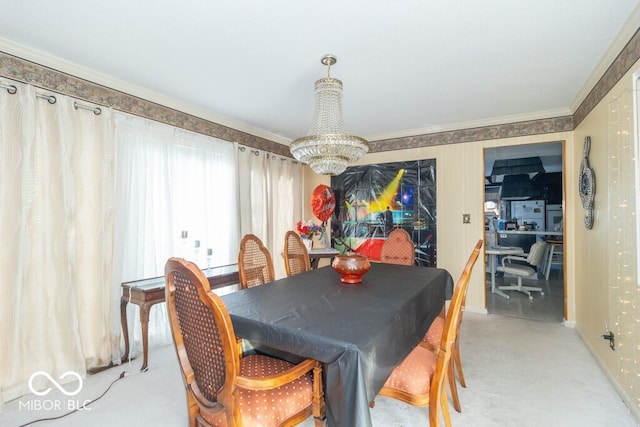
<point>587,184</point>
<point>363,194</point>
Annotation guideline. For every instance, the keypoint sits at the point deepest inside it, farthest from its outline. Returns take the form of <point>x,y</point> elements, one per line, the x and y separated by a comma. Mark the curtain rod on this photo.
<point>96,110</point>
<point>52,99</point>
<point>10,88</point>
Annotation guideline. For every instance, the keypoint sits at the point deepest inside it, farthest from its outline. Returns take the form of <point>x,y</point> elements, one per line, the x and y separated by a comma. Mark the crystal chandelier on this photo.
<point>327,148</point>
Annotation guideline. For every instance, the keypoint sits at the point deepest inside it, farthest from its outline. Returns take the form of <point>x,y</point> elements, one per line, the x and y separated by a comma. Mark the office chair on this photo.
<point>525,266</point>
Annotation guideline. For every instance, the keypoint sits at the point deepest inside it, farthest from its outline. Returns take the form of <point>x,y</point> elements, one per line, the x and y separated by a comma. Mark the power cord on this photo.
<point>121,376</point>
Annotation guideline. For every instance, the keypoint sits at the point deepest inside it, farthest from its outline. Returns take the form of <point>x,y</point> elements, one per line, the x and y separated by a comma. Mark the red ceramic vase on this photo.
<point>351,267</point>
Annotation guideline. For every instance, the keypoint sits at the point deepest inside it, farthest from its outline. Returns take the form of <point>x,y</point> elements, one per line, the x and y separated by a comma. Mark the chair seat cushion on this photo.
<point>413,375</point>
<point>263,408</point>
<point>434,335</point>
<point>520,270</point>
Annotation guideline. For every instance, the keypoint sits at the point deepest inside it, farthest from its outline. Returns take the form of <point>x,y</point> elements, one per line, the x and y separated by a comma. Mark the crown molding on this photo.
<point>43,69</point>
<point>67,67</point>
<point>473,124</point>
<point>616,47</point>
<point>482,133</point>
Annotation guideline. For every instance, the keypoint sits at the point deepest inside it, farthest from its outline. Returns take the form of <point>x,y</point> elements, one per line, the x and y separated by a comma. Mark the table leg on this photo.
<point>144,322</point>
<point>314,262</point>
<point>547,263</point>
<point>125,329</point>
<point>495,290</point>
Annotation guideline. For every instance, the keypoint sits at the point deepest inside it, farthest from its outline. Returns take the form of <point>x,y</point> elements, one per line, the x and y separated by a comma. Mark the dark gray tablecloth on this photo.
<point>360,332</point>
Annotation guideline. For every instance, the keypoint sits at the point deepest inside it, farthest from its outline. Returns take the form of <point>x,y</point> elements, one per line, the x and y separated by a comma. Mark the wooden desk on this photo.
<point>148,292</point>
<point>359,332</point>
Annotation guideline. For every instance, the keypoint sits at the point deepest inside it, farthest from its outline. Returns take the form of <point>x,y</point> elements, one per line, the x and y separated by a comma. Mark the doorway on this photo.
<point>524,198</point>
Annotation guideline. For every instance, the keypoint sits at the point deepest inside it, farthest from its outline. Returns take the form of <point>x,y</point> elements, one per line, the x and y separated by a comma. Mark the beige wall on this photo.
<point>590,255</point>
<point>602,296</point>
<point>460,186</point>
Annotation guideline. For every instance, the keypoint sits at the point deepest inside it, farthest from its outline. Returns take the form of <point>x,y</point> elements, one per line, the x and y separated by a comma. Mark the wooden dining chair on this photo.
<point>223,386</point>
<point>419,380</point>
<point>433,337</point>
<point>296,257</point>
<point>398,248</point>
<point>255,265</point>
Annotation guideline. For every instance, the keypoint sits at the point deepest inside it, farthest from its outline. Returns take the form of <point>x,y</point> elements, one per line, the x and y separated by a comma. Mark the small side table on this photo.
<point>148,292</point>
<point>316,254</point>
<point>145,296</point>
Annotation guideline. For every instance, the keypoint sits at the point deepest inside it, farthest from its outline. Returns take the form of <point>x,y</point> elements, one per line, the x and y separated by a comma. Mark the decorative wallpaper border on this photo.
<point>38,75</point>
<point>623,62</point>
<point>532,127</point>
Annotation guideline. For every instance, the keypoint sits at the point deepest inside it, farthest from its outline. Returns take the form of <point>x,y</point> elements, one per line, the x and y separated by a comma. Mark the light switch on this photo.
<point>466,218</point>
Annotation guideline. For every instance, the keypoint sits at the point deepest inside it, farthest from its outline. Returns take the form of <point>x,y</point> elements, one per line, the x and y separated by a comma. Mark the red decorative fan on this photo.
<point>323,202</point>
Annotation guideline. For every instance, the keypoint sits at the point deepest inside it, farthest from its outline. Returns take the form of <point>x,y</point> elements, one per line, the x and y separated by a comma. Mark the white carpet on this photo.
<point>519,373</point>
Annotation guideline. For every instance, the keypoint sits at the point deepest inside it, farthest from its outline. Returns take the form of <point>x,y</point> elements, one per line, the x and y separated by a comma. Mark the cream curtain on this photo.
<point>76,185</point>
<point>270,198</point>
<point>169,181</point>
<point>56,221</point>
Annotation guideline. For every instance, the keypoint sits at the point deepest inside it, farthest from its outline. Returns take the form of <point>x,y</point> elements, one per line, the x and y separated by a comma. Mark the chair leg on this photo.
<point>445,409</point>
<point>454,389</point>
<point>193,409</point>
<point>318,408</point>
<point>458,363</point>
<point>520,288</point>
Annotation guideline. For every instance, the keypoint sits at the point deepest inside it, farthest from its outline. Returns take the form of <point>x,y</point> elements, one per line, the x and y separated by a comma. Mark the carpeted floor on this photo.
<point>519,373</point>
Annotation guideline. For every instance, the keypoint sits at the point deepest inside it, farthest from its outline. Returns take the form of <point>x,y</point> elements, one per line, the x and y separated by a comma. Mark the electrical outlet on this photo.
<point>466,218</point>
<point>611,338</point>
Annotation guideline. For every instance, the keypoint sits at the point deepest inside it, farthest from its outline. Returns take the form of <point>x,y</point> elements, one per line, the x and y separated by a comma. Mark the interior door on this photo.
<point>543,165</point>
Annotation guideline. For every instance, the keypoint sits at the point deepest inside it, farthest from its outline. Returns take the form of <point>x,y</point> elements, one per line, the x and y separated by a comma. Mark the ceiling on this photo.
<point>409,67</point>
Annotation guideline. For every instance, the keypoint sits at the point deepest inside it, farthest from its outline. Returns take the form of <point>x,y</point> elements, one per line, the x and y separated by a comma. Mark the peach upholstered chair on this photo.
<point>255,265</point>
<point>419,379</point>
<point>224,387</point>
<point>434,337</point>
<point>398,248</point>
<point>296,257</point>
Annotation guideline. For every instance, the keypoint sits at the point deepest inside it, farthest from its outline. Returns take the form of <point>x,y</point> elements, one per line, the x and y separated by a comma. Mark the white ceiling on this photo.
<point>408,66</point>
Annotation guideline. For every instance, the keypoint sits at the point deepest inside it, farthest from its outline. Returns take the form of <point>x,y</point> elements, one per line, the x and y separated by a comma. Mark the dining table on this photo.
<point>360,332</point>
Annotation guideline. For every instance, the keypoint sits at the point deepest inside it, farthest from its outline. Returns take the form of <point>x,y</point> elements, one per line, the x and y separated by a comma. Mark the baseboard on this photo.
<point>631,406</point>
<point>478,310</point>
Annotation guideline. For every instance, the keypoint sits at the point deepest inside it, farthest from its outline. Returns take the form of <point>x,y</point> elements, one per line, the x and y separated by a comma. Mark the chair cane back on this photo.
<point>223,387</point>
<point>255,265</point>
<point>398,248</point>
<point>296,257</point>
